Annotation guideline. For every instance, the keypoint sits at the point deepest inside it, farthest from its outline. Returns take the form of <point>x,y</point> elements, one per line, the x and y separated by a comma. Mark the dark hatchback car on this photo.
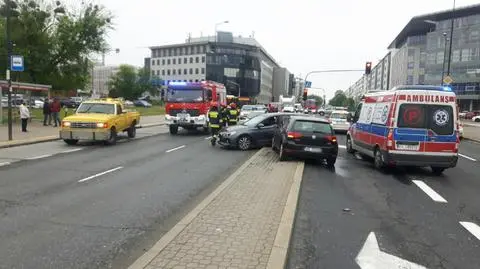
<point>255,132</point>
<point>306,137</point>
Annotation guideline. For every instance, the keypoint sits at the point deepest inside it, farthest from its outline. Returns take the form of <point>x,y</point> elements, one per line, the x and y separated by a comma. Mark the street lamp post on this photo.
<point>216,26</point>
<point>451,39</point>
<point>9,57</point>
<point>444,58</point>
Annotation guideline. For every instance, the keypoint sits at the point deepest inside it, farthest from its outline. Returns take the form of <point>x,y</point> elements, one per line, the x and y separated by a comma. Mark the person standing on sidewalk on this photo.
<point>24,116</point>
<point>46,113</point>
<point>55,109</point>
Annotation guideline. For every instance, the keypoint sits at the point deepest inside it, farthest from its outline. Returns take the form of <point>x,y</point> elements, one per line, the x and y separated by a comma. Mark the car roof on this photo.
<point>311,118</point>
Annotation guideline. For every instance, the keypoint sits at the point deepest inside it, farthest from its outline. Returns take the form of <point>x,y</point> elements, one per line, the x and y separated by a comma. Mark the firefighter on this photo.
<point>232,115</point>
<point>224,114</point>
<point>214,122</point>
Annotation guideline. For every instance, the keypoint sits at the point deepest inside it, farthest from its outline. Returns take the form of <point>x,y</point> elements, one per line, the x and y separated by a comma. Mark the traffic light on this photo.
<point>368,68</point>
<point>305,93</point>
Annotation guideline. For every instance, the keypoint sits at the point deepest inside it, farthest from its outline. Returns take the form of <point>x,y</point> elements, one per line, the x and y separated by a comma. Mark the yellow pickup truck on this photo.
<point>99,120</point>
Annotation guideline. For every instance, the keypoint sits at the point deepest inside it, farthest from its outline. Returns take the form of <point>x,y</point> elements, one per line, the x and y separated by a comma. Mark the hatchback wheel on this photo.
<point>244,143</point>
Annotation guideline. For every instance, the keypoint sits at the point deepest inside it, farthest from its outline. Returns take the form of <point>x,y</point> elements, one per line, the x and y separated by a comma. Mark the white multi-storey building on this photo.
<point>100,79</point>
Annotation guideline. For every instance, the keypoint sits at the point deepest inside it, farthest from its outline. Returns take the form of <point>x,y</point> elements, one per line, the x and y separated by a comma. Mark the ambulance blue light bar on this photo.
<point>447,89</point>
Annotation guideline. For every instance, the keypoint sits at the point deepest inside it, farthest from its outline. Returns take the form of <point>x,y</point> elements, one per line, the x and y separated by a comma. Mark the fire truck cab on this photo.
<point>188,103</point>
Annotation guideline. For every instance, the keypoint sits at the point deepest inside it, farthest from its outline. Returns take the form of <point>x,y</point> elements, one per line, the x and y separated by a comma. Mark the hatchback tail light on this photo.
<point>294,135</point>
<point>332,138</point>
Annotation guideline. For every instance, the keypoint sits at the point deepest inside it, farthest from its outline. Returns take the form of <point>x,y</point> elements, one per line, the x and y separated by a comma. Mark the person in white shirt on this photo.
<point>24,115</point>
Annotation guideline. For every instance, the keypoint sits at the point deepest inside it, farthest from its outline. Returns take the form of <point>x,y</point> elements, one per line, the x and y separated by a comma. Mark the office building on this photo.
<point>241,63</point>
<point>101,78</point>
<point>281,83</point>
<point>420,54</point>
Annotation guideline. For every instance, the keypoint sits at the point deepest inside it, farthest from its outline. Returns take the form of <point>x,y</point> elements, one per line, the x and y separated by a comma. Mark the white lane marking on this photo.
<point>206,138</point>
<point>429,191</point>
<point>100,174</point>
<point>467,157</point>
<point>177,148</point>
<point>472,228</point>
<point>39,157</point>
<point>342,146</point>
<point>71,150</point>
<point>5,164</point>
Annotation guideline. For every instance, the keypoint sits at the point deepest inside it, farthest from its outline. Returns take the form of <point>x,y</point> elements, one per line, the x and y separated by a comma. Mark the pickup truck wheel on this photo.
<point>173,129</point>
<point>71,142</point>
<point>132,131</point>
<point>113,137</point>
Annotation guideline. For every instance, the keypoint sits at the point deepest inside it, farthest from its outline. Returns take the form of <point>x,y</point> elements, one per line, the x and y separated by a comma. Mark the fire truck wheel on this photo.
<point>173,129</point>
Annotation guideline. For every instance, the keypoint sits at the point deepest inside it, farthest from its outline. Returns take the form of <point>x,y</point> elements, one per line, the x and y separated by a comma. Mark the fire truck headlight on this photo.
<point>201,117</point>
<point>168,117</point>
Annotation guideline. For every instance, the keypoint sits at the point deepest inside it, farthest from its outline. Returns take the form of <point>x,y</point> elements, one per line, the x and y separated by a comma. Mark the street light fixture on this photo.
<point>451,39</point>
<point>444,57</point>
<point>216,26</point>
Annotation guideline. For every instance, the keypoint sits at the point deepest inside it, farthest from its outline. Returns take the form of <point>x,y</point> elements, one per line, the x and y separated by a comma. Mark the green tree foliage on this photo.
<point>341,100</point>
<point>131,83</point>
<point>317,98</point>
<point>55,42</point>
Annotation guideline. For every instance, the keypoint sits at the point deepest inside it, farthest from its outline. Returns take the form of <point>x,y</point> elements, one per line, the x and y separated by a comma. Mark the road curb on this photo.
<point>55,138</point>
<point>471,140</point>
<point>279,253</point>
<point>148,256</point>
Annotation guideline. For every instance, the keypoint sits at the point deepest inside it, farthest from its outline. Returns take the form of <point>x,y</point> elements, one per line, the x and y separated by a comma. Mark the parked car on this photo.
<point>476,119</point>
<point>256,132</point>
<point>142,103</point>
<point>306,137</point>
<point>247,109</point>
<point>340,120</point>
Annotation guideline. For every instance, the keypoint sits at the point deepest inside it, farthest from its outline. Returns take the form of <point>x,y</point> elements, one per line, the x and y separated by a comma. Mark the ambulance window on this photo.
<point>357,112</point>
<point>411,116</point>
<point>440,119</point>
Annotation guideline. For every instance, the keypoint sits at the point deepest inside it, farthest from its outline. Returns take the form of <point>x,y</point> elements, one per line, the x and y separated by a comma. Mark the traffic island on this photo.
<point>245,223</point>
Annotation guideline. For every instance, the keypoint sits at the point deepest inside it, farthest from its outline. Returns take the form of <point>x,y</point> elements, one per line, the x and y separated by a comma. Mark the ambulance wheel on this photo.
<point>437,170</point>
<point>173,129</point>
<point>349,145</point>
<point>377,160</point>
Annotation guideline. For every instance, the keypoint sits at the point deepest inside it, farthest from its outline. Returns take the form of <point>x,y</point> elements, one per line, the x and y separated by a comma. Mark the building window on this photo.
<point>158,72</point>
<point>163,72</point>
<point>179,71</point>
<point>197,59</point>
<point>153,72</point>
<point>411,65</point>
<point>185,71</point>
<point>168,72</point>
<point>191,71</point>
<point>179,60</point>
<point>202,49</point>
<point>177,51</point>
<point>158,62</point>
<point>191,60</point>
<point>203,70</point>
<point>411,52</point>
<point>194,50</point>
<point>183,51</point>
<point>160,53</point>
<point>203,59</point>
<point>196,71</point>
<point>466,55</point>
<point>440,57</point>
<point>174,71</point>
<point>409,80</point>
<point>188,50</point>
<point>196,80</point>
<point>456,56</point>
<point>421,79</point>
<point>174,61</point>
<point>168,62</point>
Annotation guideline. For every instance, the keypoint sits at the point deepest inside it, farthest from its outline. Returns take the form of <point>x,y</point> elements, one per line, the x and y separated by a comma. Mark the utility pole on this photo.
<point>9,58</point>
<point>451,39</point>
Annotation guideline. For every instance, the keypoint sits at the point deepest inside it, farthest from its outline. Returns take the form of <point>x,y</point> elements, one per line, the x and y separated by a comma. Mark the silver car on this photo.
<point>340,120</point>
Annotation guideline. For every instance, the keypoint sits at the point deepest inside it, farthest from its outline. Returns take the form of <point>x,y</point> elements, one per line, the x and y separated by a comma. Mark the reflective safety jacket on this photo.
<point>214,119</point>
<point>233,116</point>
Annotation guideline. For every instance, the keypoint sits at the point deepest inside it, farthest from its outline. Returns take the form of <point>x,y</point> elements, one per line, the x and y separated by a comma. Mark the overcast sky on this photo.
<point>302,35</point>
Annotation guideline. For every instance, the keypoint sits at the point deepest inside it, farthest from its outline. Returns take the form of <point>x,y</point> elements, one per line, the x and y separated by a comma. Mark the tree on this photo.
<point>56,42</point>
<point>131,83</point>
<point>340,99</point>
<point>317,98</point>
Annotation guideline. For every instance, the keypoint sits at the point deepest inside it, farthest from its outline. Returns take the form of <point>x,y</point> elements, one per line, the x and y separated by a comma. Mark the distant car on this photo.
<point>247,109</point>
<point>256,132</point>
<point>460,129</point>
<point>142,103</point>
<point>128,103</point>
<point>306,137</point>
<point>340,120</point>
<point>476,119</point>
<point>288,109</point>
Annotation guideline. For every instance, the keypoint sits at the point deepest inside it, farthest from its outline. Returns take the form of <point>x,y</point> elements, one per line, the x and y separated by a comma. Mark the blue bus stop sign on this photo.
<point>17,64</point>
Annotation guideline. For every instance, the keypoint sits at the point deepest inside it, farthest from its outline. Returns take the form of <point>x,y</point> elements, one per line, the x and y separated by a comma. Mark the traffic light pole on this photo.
<point>9,79</point>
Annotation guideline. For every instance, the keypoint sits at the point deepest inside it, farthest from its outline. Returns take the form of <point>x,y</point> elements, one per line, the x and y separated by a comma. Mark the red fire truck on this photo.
<point>311,105</point>
<point>187,103</point>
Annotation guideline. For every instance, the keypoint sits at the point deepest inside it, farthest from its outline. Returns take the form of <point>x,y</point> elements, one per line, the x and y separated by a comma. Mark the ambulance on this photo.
<point>414,125</point>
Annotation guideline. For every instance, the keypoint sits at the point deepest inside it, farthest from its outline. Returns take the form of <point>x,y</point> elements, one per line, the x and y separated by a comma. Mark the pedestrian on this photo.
<point>47,115</point>
<point>55,109</point>
<point>24,116</point>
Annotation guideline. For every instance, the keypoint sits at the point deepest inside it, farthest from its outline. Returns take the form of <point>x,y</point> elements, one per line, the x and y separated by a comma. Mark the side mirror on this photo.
<point>260,125</point>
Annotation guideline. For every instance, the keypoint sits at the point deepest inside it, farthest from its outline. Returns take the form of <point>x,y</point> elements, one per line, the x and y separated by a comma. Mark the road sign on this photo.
<point>17,63</point>
<point>308,84</point>
<point>447,80</point>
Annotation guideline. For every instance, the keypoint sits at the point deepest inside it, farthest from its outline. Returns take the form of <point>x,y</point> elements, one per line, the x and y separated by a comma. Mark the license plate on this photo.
<point>313,149</point>
<point>408,147</point>
<point>182,116</point>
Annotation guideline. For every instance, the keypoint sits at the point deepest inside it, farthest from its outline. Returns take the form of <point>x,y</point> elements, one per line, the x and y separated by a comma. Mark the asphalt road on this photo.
<point>98,206</point>
<point>339,208</point>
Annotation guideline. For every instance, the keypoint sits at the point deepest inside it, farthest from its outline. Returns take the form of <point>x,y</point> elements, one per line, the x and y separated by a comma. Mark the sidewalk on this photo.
<point>39,133</point>
<point>245,223</point>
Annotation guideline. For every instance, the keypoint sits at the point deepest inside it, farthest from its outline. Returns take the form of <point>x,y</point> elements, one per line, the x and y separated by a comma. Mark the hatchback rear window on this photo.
<point>438,118</point>
<point>311,126</point>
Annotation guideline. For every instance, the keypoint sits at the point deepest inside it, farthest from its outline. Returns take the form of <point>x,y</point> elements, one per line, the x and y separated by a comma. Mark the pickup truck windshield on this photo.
<point>96,108</point>
<point>185,95</point>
